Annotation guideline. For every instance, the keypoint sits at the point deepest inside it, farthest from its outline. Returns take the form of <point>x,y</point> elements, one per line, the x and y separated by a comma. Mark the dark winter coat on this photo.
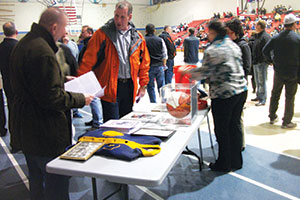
<point>261,39</point>
<point>40,108</point>
<point>170,44</point>
<point>246,55</point>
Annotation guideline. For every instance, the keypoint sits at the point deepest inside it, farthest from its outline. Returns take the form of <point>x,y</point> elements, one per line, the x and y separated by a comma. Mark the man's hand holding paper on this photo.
<point>86,84</point>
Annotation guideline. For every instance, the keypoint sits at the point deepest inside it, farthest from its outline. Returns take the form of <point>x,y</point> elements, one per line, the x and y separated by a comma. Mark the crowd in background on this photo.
<point>273,25</point>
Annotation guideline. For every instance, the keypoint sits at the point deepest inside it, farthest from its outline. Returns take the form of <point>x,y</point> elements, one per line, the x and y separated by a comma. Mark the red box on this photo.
<point>179,78</point>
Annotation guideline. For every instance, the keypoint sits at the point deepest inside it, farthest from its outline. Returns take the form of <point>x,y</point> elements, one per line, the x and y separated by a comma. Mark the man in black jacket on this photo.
<point>286,60</point>
<point>86,34</point>
<point>191,48</point>
<point>235,32</point>
<point>165,35</point>
<point>260,64</point>
<point>41,106</point>
<point>158,59</point>
<point>6,48</point>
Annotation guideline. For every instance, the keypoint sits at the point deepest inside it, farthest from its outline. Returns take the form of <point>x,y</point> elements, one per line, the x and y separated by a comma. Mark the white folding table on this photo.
<point>144,171</point>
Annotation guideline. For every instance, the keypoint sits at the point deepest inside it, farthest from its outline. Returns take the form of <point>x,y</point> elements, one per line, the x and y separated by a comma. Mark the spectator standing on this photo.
<point>119,56</point>
<point>222,66</point>
<point>71,65</point>
<point>96,106</point>
<point>86,34</point>
<point>283,50</point>
<point>166,36</point>
<point>66,60</point>
<point>158,59</point>
<point>71,44</point>
<point>86,31</point>
<point>41,106</point>
<point>6,48</point>
<point>250,43</point>
<point>260,64</point>
<point>191,48</point>
<point>235,32</point>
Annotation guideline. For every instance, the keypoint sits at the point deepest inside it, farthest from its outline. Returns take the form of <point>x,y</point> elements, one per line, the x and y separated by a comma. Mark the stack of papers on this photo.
<point>87,84</point>
<point>122,125</point>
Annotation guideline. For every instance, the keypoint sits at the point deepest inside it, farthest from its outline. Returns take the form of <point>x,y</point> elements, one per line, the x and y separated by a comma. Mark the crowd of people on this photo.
<point>273,25</point>
<point>282,9</point>
<point>35,69</point>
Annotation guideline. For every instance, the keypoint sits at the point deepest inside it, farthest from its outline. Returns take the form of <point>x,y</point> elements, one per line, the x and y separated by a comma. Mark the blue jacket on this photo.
<point>191,47</point>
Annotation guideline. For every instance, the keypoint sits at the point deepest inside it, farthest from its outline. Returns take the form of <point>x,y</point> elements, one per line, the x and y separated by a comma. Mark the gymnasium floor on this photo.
<point>271,165</point>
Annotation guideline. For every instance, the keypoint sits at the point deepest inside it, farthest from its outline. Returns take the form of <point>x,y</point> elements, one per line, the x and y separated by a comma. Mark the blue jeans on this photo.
<point>169,71</point>
<point>260,75</point>
<point>43,185</point>
<point>159,74</point>
<point>96,109</point>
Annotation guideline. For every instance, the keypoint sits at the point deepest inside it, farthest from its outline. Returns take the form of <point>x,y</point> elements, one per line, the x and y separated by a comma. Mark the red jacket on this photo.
<point>107,71</point>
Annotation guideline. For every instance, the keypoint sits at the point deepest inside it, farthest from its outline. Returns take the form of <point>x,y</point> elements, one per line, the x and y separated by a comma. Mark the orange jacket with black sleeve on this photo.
<point>101,56</point>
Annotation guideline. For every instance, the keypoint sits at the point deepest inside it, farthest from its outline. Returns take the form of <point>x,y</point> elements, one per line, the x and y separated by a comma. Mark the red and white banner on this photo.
<point>71,13</point>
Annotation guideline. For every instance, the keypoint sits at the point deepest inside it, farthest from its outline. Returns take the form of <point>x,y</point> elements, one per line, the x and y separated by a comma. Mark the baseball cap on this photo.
<point>290,18</point>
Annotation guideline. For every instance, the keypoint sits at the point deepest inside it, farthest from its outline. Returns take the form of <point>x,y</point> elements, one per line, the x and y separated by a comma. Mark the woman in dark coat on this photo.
<point>235,32</point>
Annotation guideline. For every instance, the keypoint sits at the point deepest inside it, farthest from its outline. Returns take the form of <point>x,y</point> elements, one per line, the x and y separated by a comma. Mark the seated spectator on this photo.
<point>277,17</point>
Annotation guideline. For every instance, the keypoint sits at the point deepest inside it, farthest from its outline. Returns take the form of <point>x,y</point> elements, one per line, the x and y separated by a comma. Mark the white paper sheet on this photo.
<point>87,83</point>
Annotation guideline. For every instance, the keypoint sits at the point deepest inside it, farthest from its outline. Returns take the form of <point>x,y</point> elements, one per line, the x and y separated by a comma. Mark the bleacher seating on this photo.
<point>203,22</point>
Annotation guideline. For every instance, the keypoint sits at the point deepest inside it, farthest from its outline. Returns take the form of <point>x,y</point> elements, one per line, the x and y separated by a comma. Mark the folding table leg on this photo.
<point>95,195</point>
<point>190,152</point>
<point>200,148</point>
<point>211,142</point>
<point>125,191</point>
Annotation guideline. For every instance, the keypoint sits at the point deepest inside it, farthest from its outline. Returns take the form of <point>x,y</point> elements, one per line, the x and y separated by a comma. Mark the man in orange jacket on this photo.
<point>118,55</point>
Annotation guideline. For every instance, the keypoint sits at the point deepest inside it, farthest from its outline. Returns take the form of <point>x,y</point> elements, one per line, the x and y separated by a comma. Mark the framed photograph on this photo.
<point>143,117</point>
<point>120,123</point>
<point>157,133</point>
<point>82,151</point>
<point>123,125</point>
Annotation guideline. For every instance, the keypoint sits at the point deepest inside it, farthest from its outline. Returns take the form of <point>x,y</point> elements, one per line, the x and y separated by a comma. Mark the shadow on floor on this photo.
<point>264,129</point>
<point>185,177</point>
<point>288,164</point>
